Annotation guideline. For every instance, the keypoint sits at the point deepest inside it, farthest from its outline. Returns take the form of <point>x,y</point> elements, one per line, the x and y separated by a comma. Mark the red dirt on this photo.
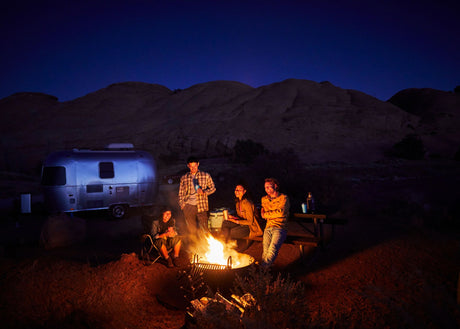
<point>396,265</point>
<point>383,279</point>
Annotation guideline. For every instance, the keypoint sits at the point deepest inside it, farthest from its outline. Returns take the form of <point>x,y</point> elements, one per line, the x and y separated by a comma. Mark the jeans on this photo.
<point>196,221</point>
<point>272,241</point>
<point>231,230</point>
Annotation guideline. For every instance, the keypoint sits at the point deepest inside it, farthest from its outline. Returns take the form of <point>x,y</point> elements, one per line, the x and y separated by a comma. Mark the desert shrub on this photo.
<point>272,297</point>
<point>267,303</point>
<point>295,180</point>
<point>410,147</point>
<point>245,151</point>
<point>283,165</point>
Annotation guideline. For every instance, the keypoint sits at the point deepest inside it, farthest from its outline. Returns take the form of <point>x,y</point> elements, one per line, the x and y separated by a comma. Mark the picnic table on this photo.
<point>307,235</point>
<point>307,230</point>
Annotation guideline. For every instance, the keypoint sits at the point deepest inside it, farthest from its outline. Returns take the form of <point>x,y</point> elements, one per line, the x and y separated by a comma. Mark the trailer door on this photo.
<point>124,188</point>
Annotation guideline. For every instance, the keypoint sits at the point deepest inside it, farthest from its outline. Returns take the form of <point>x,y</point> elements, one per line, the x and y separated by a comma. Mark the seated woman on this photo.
<point>245,224</point>
<point>165,237</point>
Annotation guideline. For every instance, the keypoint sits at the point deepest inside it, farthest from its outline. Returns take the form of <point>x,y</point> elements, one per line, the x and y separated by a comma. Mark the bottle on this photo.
<point>304,208</point>
<point>195,184</point>
<point>310,204</point>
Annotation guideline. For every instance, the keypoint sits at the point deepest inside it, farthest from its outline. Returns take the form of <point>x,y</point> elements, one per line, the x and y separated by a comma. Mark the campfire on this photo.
<point>219,255</point>
<point>218,263</point>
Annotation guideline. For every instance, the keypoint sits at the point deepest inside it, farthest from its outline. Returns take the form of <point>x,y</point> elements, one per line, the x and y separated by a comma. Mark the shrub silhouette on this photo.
<point>245,151</point>
<point>410,147</point>
<point>272,296</point>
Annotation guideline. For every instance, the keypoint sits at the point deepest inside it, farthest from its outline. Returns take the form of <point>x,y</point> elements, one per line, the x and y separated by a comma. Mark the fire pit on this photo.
<point>218,276</point>
<point>218,263</point>
<point>244,262</point>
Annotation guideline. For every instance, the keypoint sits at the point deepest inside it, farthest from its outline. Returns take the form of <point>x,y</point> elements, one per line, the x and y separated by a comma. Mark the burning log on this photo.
<point>258,301</point>
<point>215,310</point>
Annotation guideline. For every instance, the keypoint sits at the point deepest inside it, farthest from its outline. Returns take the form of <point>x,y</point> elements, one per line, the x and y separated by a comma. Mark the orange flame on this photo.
<point>216,252</point>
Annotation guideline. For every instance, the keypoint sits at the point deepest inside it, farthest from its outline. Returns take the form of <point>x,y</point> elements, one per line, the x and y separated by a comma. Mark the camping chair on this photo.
<point>150,254</point>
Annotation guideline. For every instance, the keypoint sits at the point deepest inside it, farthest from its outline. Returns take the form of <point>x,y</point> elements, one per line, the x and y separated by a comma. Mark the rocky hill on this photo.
<point>318,121</point>
<point>439,114</point>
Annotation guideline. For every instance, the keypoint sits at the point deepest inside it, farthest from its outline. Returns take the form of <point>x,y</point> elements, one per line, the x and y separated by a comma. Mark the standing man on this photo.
<point>195,186</point>
<point>275,210</point>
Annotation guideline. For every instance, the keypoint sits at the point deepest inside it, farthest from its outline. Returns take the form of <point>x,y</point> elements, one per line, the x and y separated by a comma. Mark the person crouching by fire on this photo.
<point>165,237</point>
<point>275,210</point>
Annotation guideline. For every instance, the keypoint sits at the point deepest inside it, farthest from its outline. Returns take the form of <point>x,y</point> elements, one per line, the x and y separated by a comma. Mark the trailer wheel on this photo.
<point>118,211</point>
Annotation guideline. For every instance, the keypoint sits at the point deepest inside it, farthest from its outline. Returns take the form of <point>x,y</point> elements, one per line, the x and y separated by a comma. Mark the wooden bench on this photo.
<point>294,239</point>
<point>307,236</point>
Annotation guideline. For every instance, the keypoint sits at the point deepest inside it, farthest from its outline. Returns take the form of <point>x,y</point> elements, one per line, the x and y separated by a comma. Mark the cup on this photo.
<point>304,208</point>
<point>225,213</point>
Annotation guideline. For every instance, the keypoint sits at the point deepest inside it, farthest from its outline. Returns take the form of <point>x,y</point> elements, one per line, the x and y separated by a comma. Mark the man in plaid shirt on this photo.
<point>195,186</point>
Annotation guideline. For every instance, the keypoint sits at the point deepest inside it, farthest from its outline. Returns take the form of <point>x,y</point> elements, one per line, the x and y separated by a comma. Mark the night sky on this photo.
<point>71,48</point>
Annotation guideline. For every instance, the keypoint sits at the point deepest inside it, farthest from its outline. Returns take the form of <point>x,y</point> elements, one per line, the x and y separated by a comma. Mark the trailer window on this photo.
<point>106,170</point>
<point>53,176</point>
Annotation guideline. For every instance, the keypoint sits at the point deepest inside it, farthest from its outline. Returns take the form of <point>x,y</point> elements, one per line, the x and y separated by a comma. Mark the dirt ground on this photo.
<point>389,268</point>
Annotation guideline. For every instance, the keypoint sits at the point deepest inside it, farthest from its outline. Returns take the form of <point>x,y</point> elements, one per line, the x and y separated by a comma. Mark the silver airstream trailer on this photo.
<point>115,178</point>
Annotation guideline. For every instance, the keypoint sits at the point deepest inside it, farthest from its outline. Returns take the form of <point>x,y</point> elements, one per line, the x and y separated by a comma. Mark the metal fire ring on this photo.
<point>210,266</point>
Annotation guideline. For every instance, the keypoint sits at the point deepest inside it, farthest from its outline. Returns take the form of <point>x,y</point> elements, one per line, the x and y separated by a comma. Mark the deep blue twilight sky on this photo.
<point>71,48</point>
